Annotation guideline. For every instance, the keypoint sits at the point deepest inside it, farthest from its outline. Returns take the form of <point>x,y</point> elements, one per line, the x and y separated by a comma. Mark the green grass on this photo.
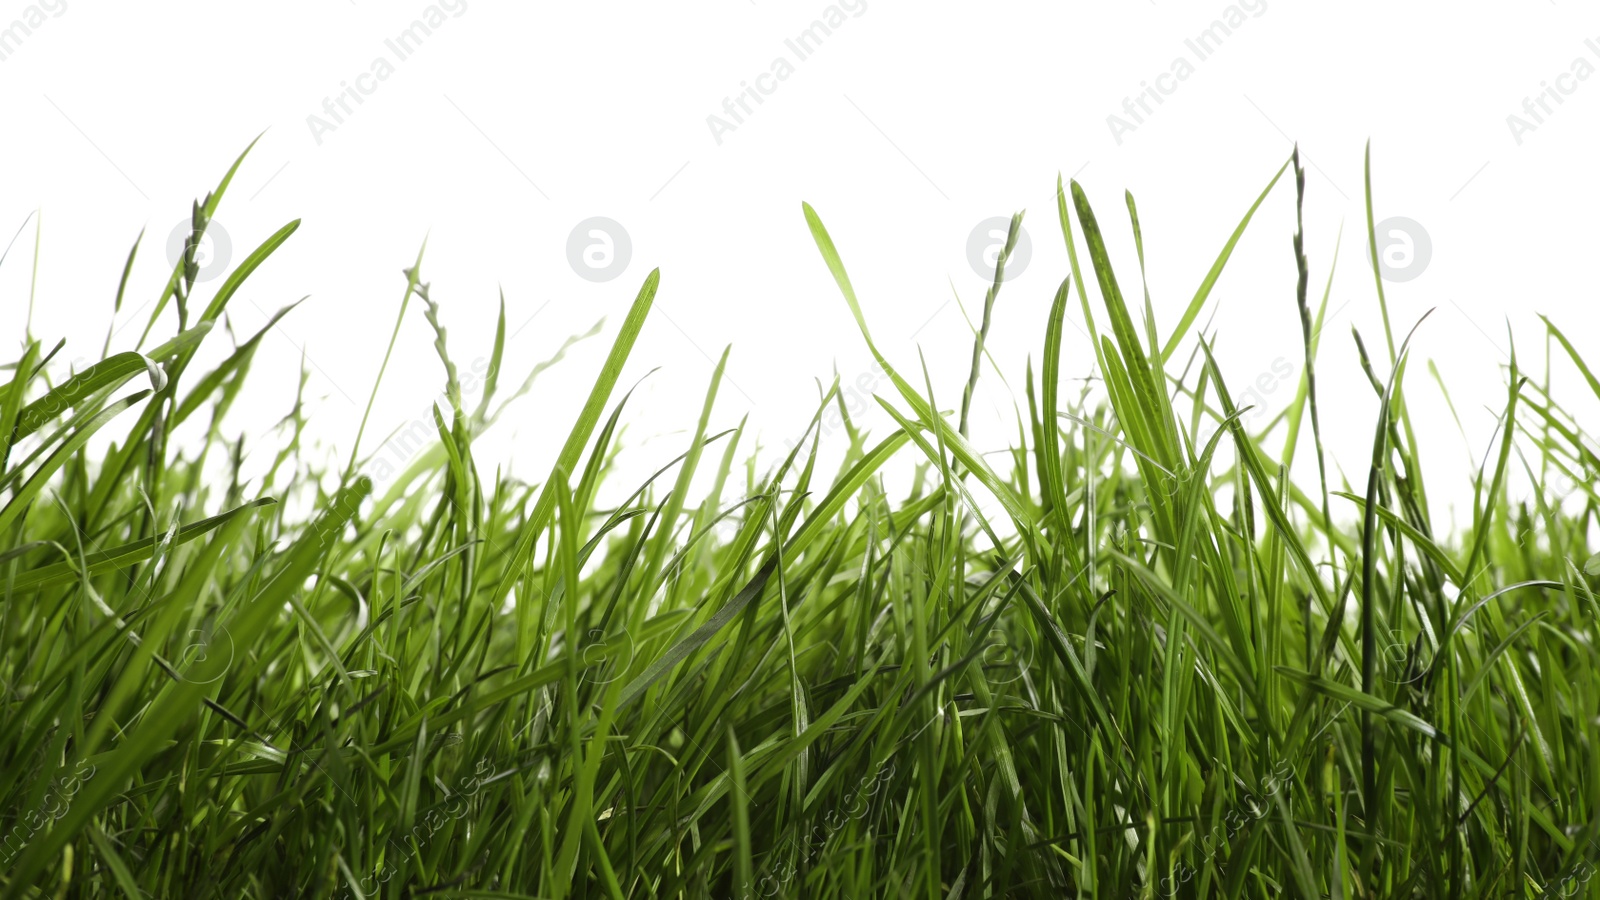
<point>1112,661</point>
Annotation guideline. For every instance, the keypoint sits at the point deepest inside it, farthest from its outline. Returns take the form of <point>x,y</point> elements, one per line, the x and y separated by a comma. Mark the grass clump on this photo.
<point>1119,661</point>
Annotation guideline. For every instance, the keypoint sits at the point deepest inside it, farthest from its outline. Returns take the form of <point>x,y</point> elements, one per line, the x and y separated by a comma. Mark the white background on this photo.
<point>908,125</point>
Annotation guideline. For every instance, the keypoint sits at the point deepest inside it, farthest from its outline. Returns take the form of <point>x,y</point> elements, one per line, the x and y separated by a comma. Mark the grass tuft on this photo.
<point>1119,660</point>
